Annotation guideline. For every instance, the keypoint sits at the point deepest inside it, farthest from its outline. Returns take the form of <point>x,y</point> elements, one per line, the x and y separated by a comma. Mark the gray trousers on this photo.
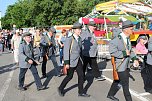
<point>55,64</point>
<point>34,73</point>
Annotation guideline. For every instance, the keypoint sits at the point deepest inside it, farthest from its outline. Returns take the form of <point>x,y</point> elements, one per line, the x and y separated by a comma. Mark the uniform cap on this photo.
<point>127,24</point>
<point>52,29</point>
<point>26,34</point>
<point>92,23</point>
<point>77,25</point>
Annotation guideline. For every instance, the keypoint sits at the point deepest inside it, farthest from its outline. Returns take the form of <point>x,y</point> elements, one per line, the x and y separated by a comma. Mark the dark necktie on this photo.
<point>79,41</point>
<point>128,44</point>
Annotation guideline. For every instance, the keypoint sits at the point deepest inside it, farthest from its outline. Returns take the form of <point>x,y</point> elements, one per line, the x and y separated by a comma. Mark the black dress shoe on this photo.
<point>150,91</point>
<point>60,92</point>
<point>22,88</point>
<point>84,95</point>
<point>41,88</point>
<point>113,98</point>
<point>44,76</point>
<point>100,78</point>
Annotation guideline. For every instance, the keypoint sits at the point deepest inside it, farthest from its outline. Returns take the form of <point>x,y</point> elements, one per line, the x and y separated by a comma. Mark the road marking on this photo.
<point>144,94</point>
<point>6,84</point>
<point>134,93</point>
<point>104,70</point>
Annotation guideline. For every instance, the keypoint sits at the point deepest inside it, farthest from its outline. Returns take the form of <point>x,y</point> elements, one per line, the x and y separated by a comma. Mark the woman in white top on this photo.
<point>16,39</point>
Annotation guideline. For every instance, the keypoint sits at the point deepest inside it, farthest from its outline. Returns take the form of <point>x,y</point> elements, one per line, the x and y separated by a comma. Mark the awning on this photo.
<point>96,20</point>
<point>116,18</point>
<point>127,1</point>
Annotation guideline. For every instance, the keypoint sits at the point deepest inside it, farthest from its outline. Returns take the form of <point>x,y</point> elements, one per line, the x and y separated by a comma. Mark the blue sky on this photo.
<point>4,4</point>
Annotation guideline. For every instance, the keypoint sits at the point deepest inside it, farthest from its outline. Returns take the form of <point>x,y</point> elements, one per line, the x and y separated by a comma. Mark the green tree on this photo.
<point>30,13</point>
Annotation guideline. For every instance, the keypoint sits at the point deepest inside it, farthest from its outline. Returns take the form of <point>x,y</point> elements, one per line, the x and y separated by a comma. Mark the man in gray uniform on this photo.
<point>115,85</point>
<point>147,71</point>
<point>48,44</point>
<point>89,50</point>
<point>73,61</point>
<point>26,61</point>
<point>120,48</point>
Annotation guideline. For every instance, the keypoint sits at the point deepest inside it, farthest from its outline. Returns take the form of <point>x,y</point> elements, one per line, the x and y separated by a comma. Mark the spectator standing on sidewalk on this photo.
<point>5,34</point>
<point>89,50</point>
<point>1,45</point>
<point>3,40</point>
<point>36,44</point>
<point>9,37</point>
<point>15,42</point>
<point>140,47</point>
<point>21,31</point>
<point>26,61</point>
<point>61,42</point>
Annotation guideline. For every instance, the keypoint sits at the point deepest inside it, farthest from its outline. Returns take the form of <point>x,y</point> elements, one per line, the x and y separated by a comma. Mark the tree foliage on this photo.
<point>30,13</point>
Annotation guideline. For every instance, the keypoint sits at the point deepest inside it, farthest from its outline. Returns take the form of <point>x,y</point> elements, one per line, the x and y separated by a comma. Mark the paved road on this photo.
<point>97,89</point>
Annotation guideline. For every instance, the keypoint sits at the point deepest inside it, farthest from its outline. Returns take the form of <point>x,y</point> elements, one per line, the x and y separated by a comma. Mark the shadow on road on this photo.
<point>7,68</point>
<point>48,79</point>
<point>89,79</point>
<point>102,64</point>
<point>70,88</point>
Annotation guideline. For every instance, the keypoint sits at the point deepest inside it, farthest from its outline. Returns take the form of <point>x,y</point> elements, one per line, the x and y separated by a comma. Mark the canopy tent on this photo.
<point>138,9</point>
<point>111,4</point>
<point>115,9</point>
<point>106,5</point>
<point>116,18</point>
<point>109,19</point>
<point>122,7</point>
<point>127,1</point>
<point>96,20</point>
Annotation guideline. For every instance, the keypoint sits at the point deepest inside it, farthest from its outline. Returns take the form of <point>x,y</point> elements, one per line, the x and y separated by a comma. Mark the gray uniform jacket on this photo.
<point>117,49</point>
<point>25,53</point>
<point>44,44</point>
<point>73,57</point>
<point>89,44</point>
<point>149,56</point>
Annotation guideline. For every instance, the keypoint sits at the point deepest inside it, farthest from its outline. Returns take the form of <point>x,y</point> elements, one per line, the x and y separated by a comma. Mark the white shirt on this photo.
<point>16,41</point>
<point>76,37</point>
<point>125,39</point>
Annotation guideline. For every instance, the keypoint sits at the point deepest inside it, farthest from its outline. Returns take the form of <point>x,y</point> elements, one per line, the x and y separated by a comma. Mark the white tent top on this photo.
<point>124,7</point>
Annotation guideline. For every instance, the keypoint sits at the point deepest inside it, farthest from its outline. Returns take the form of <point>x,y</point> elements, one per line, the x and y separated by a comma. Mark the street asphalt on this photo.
<point>97,89</point>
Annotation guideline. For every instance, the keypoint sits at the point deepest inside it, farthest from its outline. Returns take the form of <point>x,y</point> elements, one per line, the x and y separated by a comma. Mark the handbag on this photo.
<point>65,70</point>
